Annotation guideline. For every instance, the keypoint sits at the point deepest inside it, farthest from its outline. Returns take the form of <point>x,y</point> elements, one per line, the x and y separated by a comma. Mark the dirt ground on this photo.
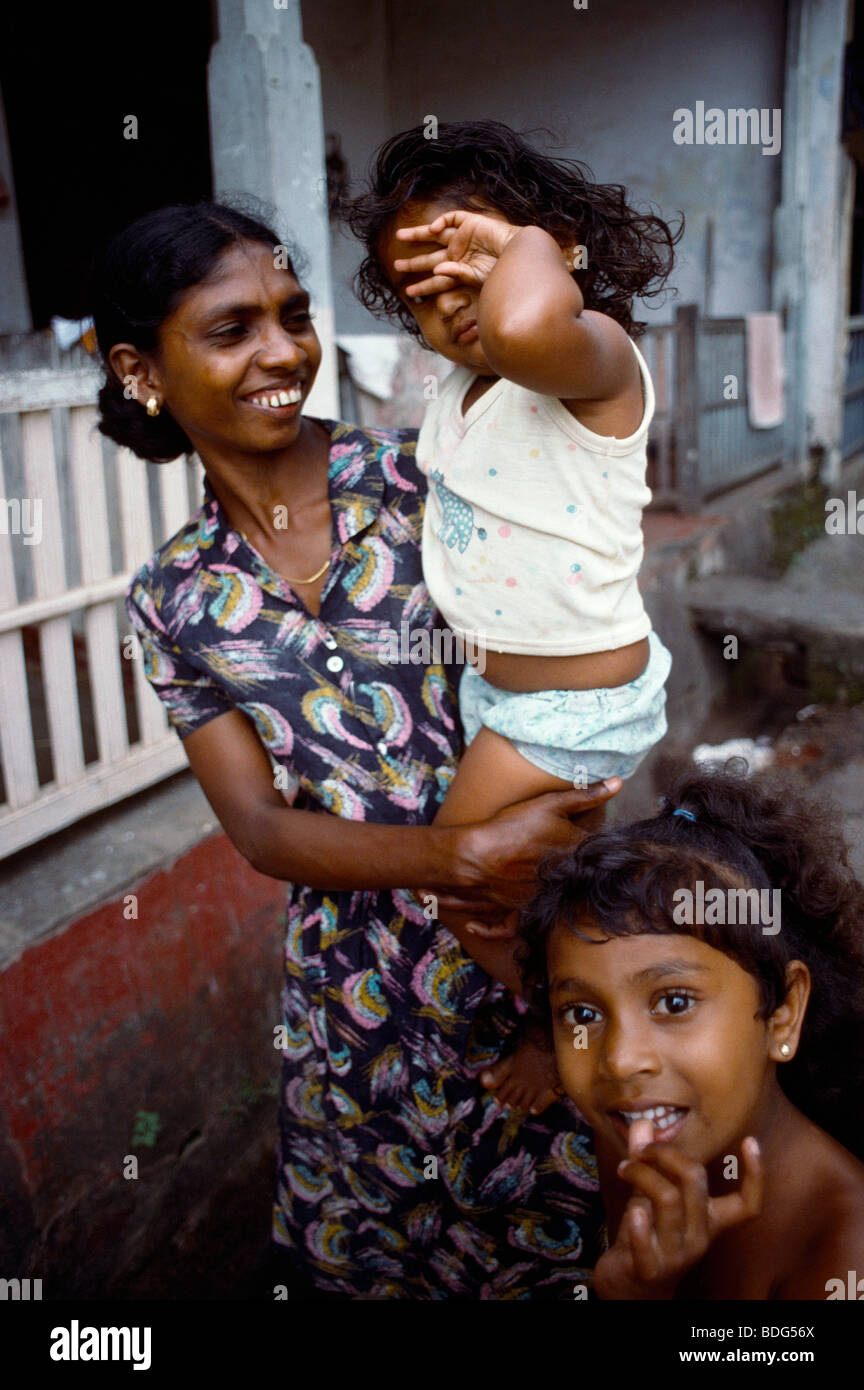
<point>821,744</point>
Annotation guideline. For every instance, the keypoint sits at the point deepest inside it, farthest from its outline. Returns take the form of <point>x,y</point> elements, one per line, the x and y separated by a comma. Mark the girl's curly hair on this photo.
<point>747,834</point>
<point>629,253</point>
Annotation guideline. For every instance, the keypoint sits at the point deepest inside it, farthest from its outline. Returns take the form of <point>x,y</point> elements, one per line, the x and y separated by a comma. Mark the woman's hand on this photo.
<point>670,1221</point>
<point>501,854</point>
<point>471,242</point>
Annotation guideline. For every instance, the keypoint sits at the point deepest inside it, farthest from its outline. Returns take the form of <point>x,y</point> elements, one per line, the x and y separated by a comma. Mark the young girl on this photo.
<point>713,1037</point>
<point>522,271</point>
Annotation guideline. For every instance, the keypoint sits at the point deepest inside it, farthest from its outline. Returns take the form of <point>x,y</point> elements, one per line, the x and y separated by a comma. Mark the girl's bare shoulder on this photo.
<point>833,1236</point>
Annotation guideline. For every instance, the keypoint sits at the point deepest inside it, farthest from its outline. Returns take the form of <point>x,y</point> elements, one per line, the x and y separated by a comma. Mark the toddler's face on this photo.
<point>669,1027</point>
<point>446,320</point>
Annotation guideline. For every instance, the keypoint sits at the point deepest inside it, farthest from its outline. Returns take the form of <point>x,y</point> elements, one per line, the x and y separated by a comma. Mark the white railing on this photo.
<point>79,726</point>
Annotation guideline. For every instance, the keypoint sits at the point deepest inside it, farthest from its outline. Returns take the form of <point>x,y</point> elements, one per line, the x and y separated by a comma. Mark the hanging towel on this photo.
<point>765,371</point>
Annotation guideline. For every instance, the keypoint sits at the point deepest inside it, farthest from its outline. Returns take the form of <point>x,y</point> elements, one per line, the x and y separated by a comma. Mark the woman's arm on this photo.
<point>482,868</point>
<point>320,851</point>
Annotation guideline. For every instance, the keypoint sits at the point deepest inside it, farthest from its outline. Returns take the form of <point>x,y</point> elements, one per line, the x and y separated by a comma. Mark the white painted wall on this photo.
<point>606,80</point>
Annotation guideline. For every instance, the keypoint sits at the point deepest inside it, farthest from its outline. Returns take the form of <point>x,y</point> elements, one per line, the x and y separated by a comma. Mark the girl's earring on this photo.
<point>153,406</point>
<point>785,1050</point>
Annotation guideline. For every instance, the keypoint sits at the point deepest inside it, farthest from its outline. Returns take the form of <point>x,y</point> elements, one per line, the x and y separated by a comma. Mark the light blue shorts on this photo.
<point>578,735</point>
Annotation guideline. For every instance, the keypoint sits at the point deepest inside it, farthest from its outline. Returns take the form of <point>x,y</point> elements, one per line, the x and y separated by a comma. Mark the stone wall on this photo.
<point>144,1041</point>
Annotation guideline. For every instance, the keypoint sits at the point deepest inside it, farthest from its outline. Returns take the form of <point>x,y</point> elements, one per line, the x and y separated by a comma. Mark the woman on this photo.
<point>264,625</point>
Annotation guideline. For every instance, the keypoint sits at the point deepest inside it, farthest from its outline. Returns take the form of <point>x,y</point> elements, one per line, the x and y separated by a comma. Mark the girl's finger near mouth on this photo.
<point>670,1123</point>
<point>640,1135</point>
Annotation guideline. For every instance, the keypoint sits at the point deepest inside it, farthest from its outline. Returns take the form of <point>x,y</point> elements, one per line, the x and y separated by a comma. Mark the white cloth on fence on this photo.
<point>765,371</point>
<point>372,361</point>
<point>68,332</point>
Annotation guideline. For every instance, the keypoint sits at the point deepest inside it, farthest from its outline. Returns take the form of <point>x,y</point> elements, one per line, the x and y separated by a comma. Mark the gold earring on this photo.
<point>785,1049</point>
<point>153,406</point>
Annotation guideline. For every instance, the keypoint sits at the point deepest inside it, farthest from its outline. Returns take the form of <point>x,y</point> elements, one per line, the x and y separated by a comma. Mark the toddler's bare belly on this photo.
<point>591,671</point>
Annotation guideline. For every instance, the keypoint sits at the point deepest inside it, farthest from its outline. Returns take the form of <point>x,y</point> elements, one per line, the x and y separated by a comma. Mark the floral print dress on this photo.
<point>399,1175</point>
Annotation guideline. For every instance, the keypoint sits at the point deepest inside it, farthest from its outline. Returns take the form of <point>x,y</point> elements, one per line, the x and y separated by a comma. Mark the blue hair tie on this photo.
<point>680,811</point>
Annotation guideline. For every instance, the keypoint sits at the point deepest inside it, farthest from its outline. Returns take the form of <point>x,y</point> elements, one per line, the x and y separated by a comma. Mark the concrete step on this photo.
<point>825,620</point>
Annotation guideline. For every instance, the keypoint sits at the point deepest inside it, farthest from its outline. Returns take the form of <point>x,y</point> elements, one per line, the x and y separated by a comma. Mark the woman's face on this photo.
<point>238,356</point>
<point>670,1027</point>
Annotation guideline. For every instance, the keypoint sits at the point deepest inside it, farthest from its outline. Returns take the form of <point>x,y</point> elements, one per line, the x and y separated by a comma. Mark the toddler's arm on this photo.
<point>536,331</point>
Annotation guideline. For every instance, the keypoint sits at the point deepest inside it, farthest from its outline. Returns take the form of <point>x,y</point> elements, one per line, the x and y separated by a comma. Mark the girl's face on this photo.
<point>670,1027</point>
<point>239,338</point>
<point>446,320</point>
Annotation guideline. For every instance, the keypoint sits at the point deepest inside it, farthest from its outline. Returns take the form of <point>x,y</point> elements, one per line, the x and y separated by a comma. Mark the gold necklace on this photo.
<point>310,580</point>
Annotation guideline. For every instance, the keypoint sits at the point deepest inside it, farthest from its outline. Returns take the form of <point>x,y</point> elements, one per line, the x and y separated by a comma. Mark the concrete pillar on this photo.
<point>14,304</point>
<point>267,138</point>
<point>813,230</point>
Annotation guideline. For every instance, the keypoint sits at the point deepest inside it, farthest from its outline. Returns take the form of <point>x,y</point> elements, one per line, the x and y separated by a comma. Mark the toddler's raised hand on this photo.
<point>472,243</point>
<point>671,1220</point>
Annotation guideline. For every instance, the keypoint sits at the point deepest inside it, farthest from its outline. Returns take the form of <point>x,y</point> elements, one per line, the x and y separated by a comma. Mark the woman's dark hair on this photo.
<point>628,253</point>
<point>746,834</point>
<point>140,279</point>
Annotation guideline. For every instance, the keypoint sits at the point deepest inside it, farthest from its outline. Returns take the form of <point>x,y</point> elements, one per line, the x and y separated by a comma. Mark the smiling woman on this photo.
<point>232,362</point>
<point>387,1022</point>
<point>139,289</point>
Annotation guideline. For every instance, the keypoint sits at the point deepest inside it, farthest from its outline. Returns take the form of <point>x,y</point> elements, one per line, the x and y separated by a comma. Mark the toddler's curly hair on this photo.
<point>476,163</point>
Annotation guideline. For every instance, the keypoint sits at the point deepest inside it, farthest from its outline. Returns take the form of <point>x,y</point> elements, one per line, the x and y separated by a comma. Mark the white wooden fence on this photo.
<point>79,726</point>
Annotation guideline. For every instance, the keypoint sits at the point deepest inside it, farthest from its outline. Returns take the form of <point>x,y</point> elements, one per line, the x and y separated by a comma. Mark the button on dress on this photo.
<point>399,1175</point>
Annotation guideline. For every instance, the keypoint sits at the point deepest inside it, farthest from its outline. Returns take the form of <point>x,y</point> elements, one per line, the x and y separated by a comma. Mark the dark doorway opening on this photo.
<point>71,77</point>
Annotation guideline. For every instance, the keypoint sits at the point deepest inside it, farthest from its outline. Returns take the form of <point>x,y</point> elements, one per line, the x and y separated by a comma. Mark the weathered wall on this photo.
<point>14,303</point>
<point>605,80</point>
<point>351,45</point>
<point>267,139</point>
<point>171,1014</point>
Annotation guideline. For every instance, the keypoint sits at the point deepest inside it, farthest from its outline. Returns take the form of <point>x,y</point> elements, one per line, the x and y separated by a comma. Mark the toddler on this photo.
<point>521,271</point>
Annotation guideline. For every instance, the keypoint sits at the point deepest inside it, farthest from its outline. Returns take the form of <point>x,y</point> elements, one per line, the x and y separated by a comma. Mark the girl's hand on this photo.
<point>472,243</point>
<point>671,1221</point>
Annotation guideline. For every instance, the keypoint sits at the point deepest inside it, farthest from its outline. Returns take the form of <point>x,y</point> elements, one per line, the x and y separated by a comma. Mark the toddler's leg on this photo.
<point>492,775</point>
<point>527,1078</point>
